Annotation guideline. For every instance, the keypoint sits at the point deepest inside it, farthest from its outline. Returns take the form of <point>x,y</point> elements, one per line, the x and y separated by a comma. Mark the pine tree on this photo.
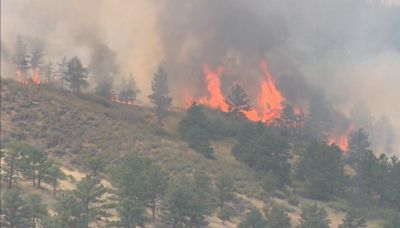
<point>313,216</point>
<point>290,119</point>
<point>358,144</point>
<point>14,210</point>
<point>393,221</point>
<point>37,209</point>
<point>155,184</point>
<point>265,152</point>
<point>198,139</point>
<point>48,72</point>
<point>37,55</point>
<point>104,87</point>
<point>277,217</point>
<point>188,201</point>
<point>195,116</point>
<point>34,163</point>
<point>76,75</point>
<point>353,219</point>
<point>129,90</point>
<point>238,102</point>
<point>88,193</point>
<point>20,57</point>
<point>12,161</point>
<point>224,190</point>
<point>225,213</point>
<point>321,168</point>
<point>160,96</point>
<point>192,128</point>
<point>53,175</point>
<point>69,212</point>
<point>253,219</point>
<point>367,179</point>
<point>139,182</point>
<point>104,68</point>
<point>62,71</point>
<point>131,213</point>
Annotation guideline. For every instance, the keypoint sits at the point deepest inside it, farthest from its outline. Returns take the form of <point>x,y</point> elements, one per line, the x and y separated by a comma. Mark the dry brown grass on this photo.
<point>74,128</point>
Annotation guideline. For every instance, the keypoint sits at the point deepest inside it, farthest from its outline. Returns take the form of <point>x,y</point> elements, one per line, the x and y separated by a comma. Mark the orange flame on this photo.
<point>269,104</point>
<point>297,111</point>
<point>215,98</point>
<point>20,78</point>
<point>270,99</point>
<point>35,76</point>
<point>115,99</point>
<point>341,140</point>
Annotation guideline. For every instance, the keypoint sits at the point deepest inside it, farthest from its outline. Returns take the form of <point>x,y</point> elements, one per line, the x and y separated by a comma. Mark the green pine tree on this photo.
<point>277,217</point>
<point>224,190</point>
<point>53,175</point>
<point>69,212</point>
<point>321,168</point>
<point>253,219</point>
<point>76,75</point>
<point>160,95</point>
<point>12,161</point>
<point>89,192</point>
<point>20,56</point>
<point>313,216</point>
<point>15,212</point>
<point>353,219</point>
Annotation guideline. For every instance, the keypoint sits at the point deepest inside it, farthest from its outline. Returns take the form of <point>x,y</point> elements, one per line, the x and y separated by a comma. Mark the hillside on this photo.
<point>74,129</point>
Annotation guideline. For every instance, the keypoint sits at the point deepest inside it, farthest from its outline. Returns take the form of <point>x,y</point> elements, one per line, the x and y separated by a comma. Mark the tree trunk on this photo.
<point>39,179</point>
<point>159,116</point>
<point>33,178</point>
<point>54,189</point>
<point>153,208</point>
<point>11,174</point>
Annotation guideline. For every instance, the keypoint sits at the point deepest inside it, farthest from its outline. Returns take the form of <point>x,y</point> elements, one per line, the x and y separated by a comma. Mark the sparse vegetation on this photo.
<point>151,173</point>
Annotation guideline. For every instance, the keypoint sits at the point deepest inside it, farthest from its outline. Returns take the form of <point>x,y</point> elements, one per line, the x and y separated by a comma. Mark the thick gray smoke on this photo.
<point>349,49</point>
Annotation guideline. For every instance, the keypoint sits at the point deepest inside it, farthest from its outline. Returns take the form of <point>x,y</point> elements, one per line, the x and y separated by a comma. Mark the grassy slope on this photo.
<point>71,128</point>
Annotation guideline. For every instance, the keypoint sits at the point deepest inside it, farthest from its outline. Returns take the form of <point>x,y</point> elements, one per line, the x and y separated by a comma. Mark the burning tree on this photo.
<point>37,55</point>
<point>129,91</point>
<point>238,102</point>
<point>160,96</point>
<point>103,67</point>
<point>76,75</point>
<point>20,59</point>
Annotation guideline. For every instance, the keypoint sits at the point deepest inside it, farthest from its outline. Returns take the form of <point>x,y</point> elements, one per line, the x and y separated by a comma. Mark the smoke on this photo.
<point>349,49</point>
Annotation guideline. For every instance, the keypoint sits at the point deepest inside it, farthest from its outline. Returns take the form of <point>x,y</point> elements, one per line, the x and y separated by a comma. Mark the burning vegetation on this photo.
<point>268,92</point>
<point>271,107</point>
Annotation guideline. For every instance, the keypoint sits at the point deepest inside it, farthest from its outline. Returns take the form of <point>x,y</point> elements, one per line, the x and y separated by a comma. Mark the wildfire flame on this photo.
<point>270,99</point>
<point>214,99</point>
<point>297,111</point>
<point>20,78</point>
<point>115,99</point>
<point>341,139</point>
<point>35,76</point>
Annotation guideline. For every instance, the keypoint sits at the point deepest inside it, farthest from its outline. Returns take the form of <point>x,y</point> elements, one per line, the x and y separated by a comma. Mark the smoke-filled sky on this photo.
<point>348,48</point>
